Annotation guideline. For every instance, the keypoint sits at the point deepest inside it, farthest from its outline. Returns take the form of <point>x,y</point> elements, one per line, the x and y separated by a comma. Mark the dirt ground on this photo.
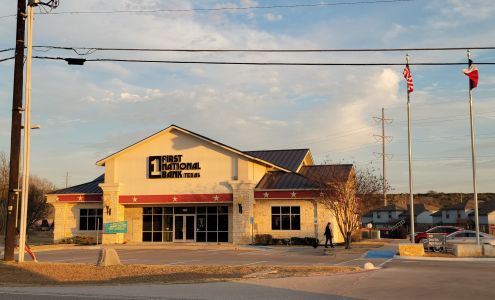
<point>13,274</point>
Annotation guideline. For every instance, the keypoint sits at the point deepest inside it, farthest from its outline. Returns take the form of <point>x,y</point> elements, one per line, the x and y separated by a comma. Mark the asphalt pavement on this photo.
<point>396,280</point>
<point>249,256</point>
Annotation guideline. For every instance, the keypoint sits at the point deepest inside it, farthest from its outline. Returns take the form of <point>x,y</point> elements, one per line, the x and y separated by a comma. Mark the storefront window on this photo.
<point>157,224</point>
<point>286,218</point>
<point>212,223</point>
<point>90,219</point>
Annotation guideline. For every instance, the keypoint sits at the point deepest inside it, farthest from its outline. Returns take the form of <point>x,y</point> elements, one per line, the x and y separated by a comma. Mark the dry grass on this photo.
<point>60,273</point>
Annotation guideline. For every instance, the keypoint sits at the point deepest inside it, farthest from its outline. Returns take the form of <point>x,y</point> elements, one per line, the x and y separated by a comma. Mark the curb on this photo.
<point>460,259</point>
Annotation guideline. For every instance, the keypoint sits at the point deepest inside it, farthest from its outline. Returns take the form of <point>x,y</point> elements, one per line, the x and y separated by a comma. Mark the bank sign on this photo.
<point>172,166</point>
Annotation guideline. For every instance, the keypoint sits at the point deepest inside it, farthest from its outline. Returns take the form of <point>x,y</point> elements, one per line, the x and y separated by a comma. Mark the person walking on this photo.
<point>328,235</point>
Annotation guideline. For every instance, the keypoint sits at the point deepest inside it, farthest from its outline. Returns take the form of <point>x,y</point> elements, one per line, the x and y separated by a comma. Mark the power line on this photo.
<point>231,8</point>
<point>5,59</point>
<point>255,63</point>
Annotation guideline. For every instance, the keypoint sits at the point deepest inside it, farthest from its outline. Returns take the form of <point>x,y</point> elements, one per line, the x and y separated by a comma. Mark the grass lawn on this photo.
<point>29,273</point>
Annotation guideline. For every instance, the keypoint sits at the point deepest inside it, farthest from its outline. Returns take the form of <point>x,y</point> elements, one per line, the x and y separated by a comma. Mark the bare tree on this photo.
<point>369,186</point>
<point>38,208</point>
<point>340,197</point>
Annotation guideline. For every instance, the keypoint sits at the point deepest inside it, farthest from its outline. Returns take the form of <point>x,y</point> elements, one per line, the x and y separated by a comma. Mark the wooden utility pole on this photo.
<point>15,135</point>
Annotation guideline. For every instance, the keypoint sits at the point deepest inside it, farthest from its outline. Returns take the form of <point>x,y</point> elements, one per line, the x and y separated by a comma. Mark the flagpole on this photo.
<point>473,156</point>
<point>409,144</point>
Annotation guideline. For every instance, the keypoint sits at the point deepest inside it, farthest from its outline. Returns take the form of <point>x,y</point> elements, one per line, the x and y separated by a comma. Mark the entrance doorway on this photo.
<point>184,228</point>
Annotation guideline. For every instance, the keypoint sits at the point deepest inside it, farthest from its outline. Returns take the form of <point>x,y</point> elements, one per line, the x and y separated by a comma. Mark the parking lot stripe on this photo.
<point>254,263</point>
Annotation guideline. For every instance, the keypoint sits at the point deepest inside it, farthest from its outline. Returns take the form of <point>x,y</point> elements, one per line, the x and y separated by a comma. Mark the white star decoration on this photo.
<point>174,199</point>
<point>322,194</point>
<point>266,195</point>
<point>134,199</point>
<point>216,198</point>
<point>80,198</point>
<point>293,194</point>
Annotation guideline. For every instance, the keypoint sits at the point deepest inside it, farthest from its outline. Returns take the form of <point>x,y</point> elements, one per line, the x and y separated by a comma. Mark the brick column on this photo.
<point>61,229</point>
<point>243,194</point>
<point>116,211</point>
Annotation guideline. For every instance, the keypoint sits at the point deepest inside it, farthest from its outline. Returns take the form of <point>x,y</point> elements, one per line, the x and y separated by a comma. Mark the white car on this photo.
<point>469,237</point>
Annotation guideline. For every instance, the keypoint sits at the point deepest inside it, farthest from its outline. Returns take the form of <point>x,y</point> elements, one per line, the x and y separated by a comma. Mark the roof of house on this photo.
<point>101,162</point>
<point>91,187</point>
<point>418,209</point>
<point>466,204</point>
<point>390,207</point>
<point>437,214</point>
<point>307,178</point>
<point>289,159</point>
<point>485,208</point>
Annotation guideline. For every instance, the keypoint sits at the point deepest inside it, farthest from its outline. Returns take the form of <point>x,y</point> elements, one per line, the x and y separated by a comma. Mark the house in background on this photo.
<point>486,214</point>
<point>457,214</point>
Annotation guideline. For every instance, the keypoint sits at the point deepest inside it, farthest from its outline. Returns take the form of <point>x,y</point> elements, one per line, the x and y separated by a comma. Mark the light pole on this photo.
<point>27,131</point>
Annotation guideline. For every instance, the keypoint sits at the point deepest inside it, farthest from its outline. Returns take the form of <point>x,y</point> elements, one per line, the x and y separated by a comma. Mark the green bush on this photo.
<point>79,240</point>
<point>263,239</point>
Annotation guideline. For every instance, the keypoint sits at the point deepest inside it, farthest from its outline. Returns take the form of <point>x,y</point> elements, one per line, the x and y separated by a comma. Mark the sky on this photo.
<point>88,112</point>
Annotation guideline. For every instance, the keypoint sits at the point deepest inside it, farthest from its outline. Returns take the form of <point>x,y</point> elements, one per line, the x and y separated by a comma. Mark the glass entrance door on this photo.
<point>184,228</point>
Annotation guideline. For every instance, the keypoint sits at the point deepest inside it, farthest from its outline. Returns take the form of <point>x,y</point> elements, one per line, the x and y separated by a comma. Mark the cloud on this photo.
<point>273,17</point>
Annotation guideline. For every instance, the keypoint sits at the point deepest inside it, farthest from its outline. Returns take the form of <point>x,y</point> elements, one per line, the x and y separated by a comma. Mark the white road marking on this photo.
<point>254,263</point>
<point>182,261</point>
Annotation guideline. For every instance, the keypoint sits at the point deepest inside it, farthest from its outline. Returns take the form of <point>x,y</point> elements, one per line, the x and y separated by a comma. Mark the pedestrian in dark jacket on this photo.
<point>328,235</point>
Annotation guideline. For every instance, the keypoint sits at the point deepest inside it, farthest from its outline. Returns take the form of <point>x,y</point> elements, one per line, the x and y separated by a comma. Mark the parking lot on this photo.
<point>245,256</point>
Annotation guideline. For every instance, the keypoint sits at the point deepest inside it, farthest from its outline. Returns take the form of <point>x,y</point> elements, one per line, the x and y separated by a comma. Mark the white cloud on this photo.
<point>273,17</point>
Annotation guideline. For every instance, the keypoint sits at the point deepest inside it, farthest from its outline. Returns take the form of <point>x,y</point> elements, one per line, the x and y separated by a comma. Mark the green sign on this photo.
<point>116,227</point>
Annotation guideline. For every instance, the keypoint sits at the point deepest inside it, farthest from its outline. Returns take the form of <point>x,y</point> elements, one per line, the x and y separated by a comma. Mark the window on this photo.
<point>286,218</point>
<point>158,224</point>
<point>90,219</point>
<point>212,224</point>
<point>447,215</point>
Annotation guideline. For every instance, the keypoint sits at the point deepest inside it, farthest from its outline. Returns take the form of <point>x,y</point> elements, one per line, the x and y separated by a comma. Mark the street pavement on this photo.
<point>396,280</point>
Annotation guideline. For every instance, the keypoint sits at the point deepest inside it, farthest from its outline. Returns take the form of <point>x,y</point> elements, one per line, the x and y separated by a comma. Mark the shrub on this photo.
<point>79,240</point>
<point>263,239</point>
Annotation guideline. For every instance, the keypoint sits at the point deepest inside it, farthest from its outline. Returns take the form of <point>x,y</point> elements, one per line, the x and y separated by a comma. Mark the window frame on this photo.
<point>281,216</point>
<point>91,219</point>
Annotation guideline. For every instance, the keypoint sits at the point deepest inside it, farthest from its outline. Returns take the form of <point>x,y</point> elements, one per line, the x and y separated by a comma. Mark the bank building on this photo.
<point>179,186</point>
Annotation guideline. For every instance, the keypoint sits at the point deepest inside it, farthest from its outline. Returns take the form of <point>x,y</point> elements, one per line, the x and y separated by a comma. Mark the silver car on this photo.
<point>469,237</point>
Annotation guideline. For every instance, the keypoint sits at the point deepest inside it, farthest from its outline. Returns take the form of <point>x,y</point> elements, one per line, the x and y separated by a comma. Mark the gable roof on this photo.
<point>284,181</point>
<point>290,159</point>
<point>91,187</point>
<point>307,178</point>
<point>485,208</point>
<point>327,172</point>
<point>101,162</point>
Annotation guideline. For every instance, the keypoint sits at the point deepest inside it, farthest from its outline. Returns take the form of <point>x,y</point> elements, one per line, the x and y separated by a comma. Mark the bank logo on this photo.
<point>172,166</point>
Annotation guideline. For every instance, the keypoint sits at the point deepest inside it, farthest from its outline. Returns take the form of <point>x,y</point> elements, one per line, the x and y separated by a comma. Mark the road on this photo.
<point>396,280</point>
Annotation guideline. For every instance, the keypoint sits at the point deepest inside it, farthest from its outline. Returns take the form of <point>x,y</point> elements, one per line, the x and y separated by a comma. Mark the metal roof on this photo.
<point>307,178</point>
<point>326,173</point>
<point>284,181</point>
<point>289,159</point>
<point>85,188</point>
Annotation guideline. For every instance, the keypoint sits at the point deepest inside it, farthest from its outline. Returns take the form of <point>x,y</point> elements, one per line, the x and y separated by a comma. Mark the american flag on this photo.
<point>409,80</point>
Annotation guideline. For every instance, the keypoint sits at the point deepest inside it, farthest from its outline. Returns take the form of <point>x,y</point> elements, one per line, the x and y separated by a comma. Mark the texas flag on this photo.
<point>472,73</point>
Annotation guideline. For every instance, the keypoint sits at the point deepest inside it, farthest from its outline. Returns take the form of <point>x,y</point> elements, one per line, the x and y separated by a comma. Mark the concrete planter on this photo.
<point>463,250</point>
<point>411,250</point>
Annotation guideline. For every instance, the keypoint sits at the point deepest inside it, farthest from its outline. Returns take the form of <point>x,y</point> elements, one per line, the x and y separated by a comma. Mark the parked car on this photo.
<point>422,237</point>
<point>469,237</point>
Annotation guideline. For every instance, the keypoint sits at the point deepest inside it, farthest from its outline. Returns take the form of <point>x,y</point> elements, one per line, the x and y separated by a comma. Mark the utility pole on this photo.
<point>15,135</point>
<point>384,139</point>
<point>67,180</point>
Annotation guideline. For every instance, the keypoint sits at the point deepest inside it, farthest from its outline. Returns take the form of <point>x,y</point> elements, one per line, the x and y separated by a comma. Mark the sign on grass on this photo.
<point>116,227</point>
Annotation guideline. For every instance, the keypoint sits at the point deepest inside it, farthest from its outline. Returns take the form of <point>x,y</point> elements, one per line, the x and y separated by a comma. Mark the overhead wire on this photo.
<point>258,63</point>
<point>227,8</point>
